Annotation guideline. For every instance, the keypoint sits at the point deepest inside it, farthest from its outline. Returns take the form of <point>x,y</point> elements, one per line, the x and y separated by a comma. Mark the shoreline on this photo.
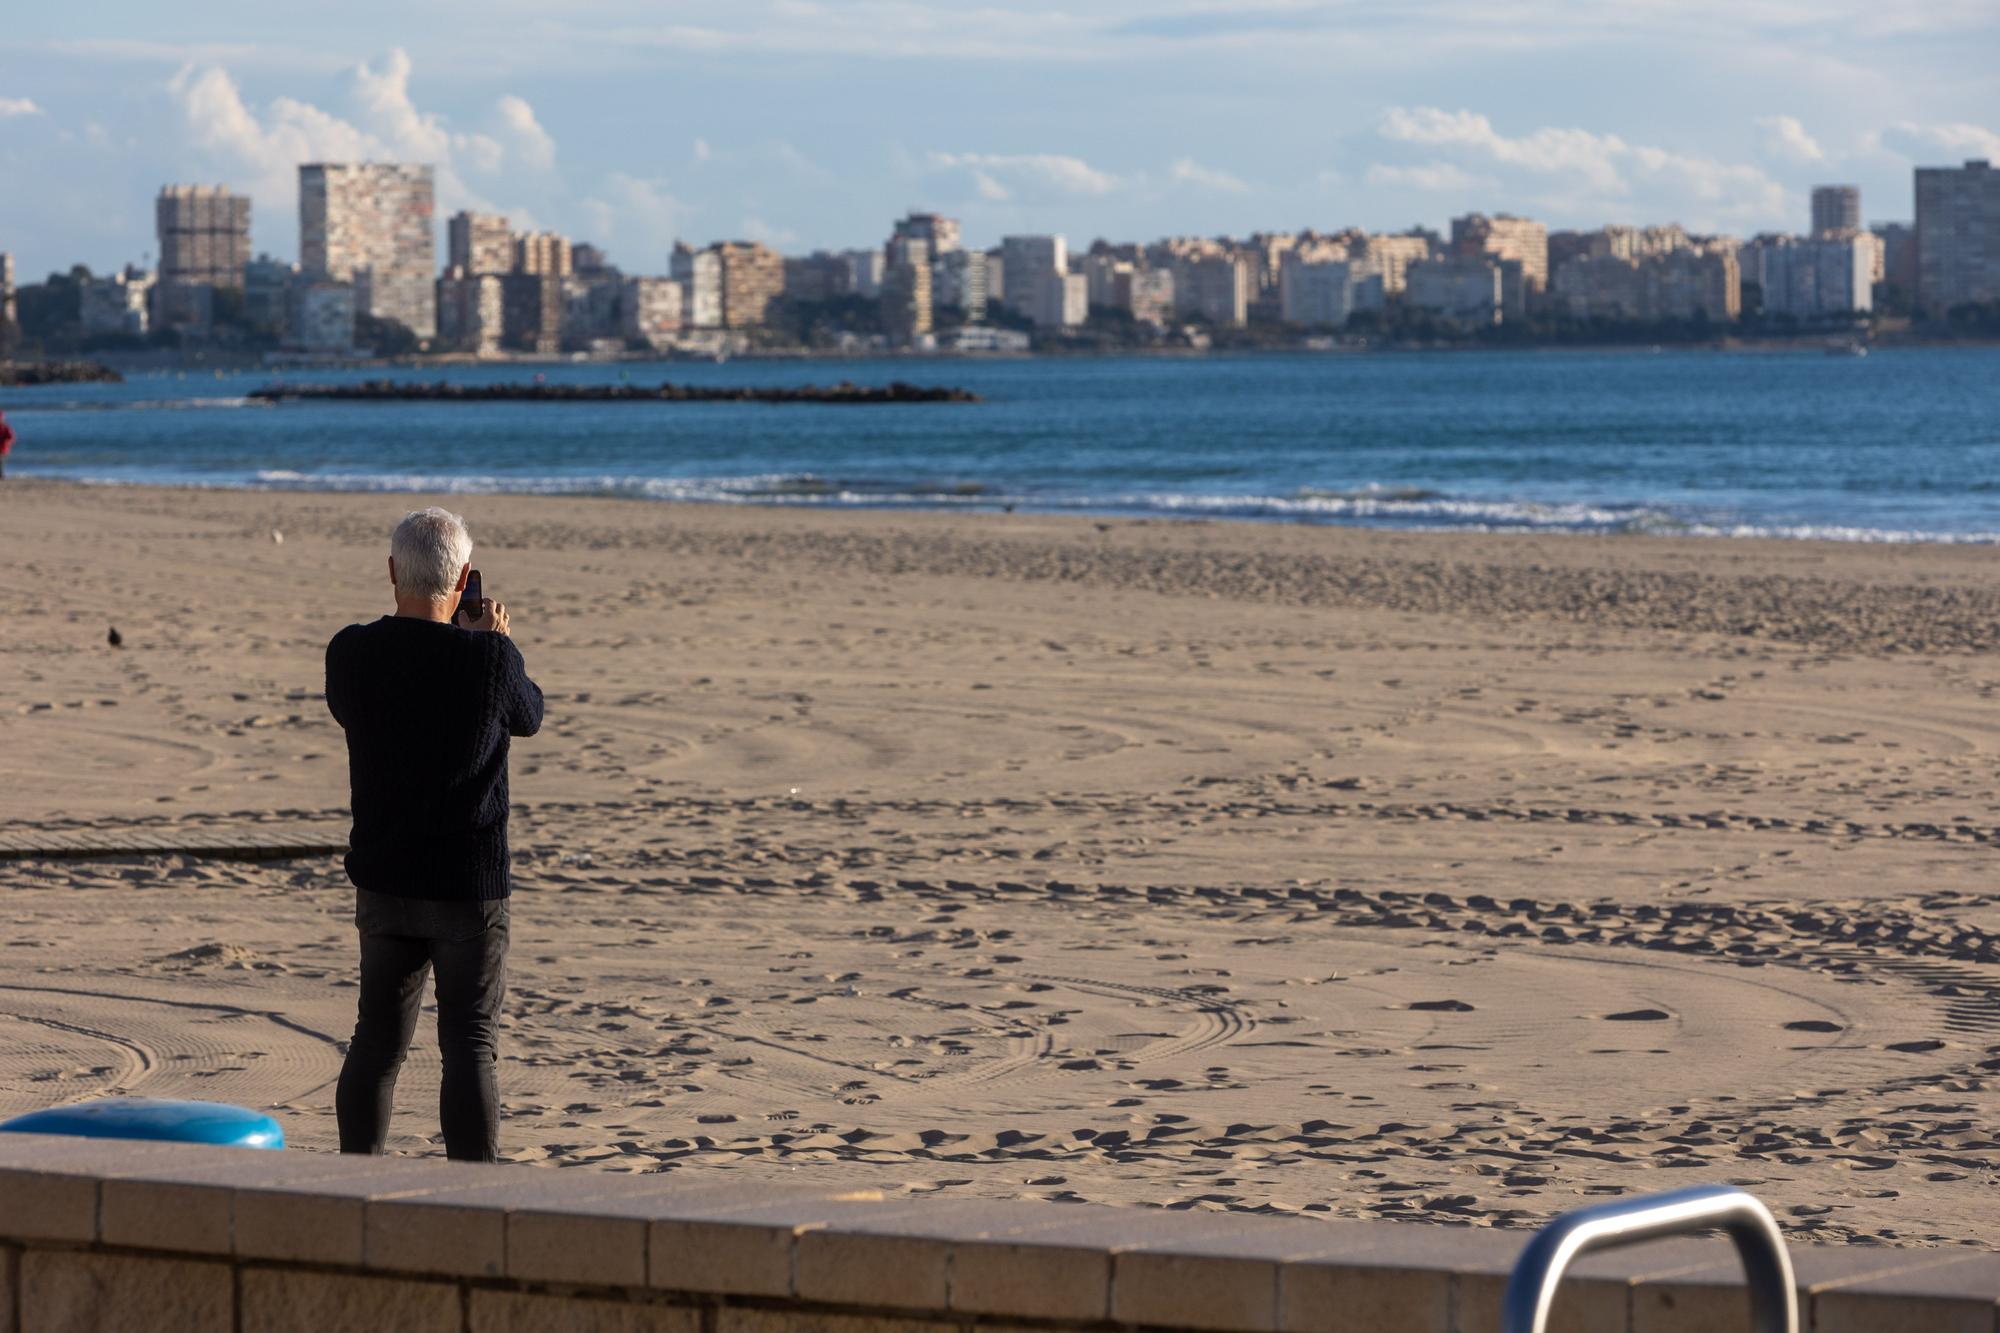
<point>969,504</point>
<point>1903,596</point>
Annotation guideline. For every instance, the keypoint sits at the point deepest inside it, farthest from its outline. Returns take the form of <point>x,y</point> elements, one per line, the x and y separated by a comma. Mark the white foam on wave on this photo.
<point>795,489</point>
<point>1497,513</point>
<point>148,405</point>
<point>1837,532</point>
<point>1407,508</point>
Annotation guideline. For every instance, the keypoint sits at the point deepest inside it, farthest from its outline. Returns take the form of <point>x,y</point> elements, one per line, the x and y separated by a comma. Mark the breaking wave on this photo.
<point>1387,506</point>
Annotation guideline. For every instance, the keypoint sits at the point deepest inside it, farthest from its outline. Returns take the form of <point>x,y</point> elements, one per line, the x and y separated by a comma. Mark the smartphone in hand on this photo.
<point>469,600</point>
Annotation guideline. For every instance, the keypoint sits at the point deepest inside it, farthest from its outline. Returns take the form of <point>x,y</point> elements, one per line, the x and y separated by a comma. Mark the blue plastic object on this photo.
<point>153,1118</point>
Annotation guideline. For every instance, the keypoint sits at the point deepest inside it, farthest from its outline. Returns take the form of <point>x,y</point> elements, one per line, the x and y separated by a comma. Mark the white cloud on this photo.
<point>1786,137</point>
<point>532,146</point>
<point>1187,171</point>
<point>702,152</point>
<point>1954,140</point>
<point>1576,171</point>
<point>262,150</point>
<point>637,218</point>
<point>11,107</point>
<point>1441,177</point>
<point>1001,175</point>
<point>757,229</point>
<point>383,98</point>
<point>1546,150</point>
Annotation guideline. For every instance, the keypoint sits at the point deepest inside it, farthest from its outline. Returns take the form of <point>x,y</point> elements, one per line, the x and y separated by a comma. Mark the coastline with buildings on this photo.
<point>369,285</point>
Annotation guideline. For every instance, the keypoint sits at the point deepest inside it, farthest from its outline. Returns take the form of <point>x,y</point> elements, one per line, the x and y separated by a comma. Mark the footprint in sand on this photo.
<point>1639,1016</point>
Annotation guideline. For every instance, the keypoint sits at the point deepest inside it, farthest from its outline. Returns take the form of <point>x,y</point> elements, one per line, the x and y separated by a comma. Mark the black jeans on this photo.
<point>402,939</point>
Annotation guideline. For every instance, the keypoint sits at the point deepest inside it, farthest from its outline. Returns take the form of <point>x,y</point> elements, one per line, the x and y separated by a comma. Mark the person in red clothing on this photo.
<point>6,442</point>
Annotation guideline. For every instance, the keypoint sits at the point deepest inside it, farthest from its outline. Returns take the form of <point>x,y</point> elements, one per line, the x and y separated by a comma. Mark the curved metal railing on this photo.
<point>1774,1308</point>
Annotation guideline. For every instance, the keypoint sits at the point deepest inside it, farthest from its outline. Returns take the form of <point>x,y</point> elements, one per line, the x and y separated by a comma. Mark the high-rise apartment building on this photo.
<point>1147,294</point>
<point>1565,246</point>
<point>1211,277</point>
<point>901,249</point>
<point>818,276</point>
<point>1323,293</point>
<point>591,319</point>
<point>121,303</point>
<point>864,272</point>
<point>1391,254</point>
<point>204,238</point>
<point>1897,287</point>
<point>204,235</point>
<point>471,311</point>
<point>1026,264</point>
<point>1625,242</point>
<point>10,310</point>
<point>543,253</point>
<point>650,311</point>
<point>1617,241</point>
<point>373,224</point>
<point>1699,282</point>
<point>1215,287</point>
<point>1101,268</point>
<point>1264,259</point>
<point>1505,236</point>
<point>1958,236</point>
<point>906,290</point>
<point>751,276</point>
<point>531,312</point>
<point>1683,283</point>
<point>699,272</point>
<point>940,233</point>
<point>1811,277</point>
<point>962,281</point>
<point>267,286</point>
<point>1836,210</point>
<point>1062,301</point>
<point>1467,290</point>
<point>479,243</point>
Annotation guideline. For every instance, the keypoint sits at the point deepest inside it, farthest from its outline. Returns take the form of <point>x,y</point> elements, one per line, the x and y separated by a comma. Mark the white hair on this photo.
<point>429,548</point>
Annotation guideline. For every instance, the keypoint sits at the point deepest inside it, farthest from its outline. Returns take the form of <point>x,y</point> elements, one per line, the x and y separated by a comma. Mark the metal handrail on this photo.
<point>1774,1304</point>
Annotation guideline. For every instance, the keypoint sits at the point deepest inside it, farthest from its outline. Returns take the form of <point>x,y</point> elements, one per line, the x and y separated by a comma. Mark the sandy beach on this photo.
<point>1444,877</point>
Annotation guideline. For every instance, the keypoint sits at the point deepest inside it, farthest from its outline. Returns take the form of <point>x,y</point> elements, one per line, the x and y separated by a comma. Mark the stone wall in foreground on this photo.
<point>108,1236</point>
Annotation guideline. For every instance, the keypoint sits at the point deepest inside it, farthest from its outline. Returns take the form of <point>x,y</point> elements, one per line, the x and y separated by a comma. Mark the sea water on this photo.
<point>1899,445</point>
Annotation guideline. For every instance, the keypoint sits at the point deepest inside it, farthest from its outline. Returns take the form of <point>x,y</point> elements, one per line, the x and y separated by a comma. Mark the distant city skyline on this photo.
<point>808,125</point>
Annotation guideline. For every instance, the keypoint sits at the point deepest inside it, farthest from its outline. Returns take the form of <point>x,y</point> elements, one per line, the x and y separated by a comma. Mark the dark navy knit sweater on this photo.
<point>428,709</point>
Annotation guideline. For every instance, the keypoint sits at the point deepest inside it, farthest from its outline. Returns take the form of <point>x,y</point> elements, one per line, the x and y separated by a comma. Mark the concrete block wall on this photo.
<point>101,1235</point>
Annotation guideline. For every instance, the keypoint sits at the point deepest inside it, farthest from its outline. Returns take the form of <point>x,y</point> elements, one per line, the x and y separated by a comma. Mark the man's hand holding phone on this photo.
<point>479,612</point>
<point>492,617</point>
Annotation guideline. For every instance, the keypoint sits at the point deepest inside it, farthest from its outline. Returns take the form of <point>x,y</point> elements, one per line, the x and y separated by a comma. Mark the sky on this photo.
<point>814,123</point>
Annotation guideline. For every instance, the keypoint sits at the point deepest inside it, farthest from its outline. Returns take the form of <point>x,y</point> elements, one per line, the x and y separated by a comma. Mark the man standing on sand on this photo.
<point>6,443</point>
<point>429,701</point>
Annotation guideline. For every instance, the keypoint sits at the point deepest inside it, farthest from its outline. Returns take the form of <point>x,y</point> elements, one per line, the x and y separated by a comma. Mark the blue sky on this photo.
<point>814,122</point>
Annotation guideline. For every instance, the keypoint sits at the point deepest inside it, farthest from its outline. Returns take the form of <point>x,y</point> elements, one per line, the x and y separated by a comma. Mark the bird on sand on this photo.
<point>114,638</point>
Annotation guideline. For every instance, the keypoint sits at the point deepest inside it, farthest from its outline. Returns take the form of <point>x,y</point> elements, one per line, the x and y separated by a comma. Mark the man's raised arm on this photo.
<point>520,697</point>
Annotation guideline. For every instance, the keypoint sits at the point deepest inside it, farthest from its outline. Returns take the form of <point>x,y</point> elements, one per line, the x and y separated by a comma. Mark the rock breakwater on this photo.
<point>398,391</point>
